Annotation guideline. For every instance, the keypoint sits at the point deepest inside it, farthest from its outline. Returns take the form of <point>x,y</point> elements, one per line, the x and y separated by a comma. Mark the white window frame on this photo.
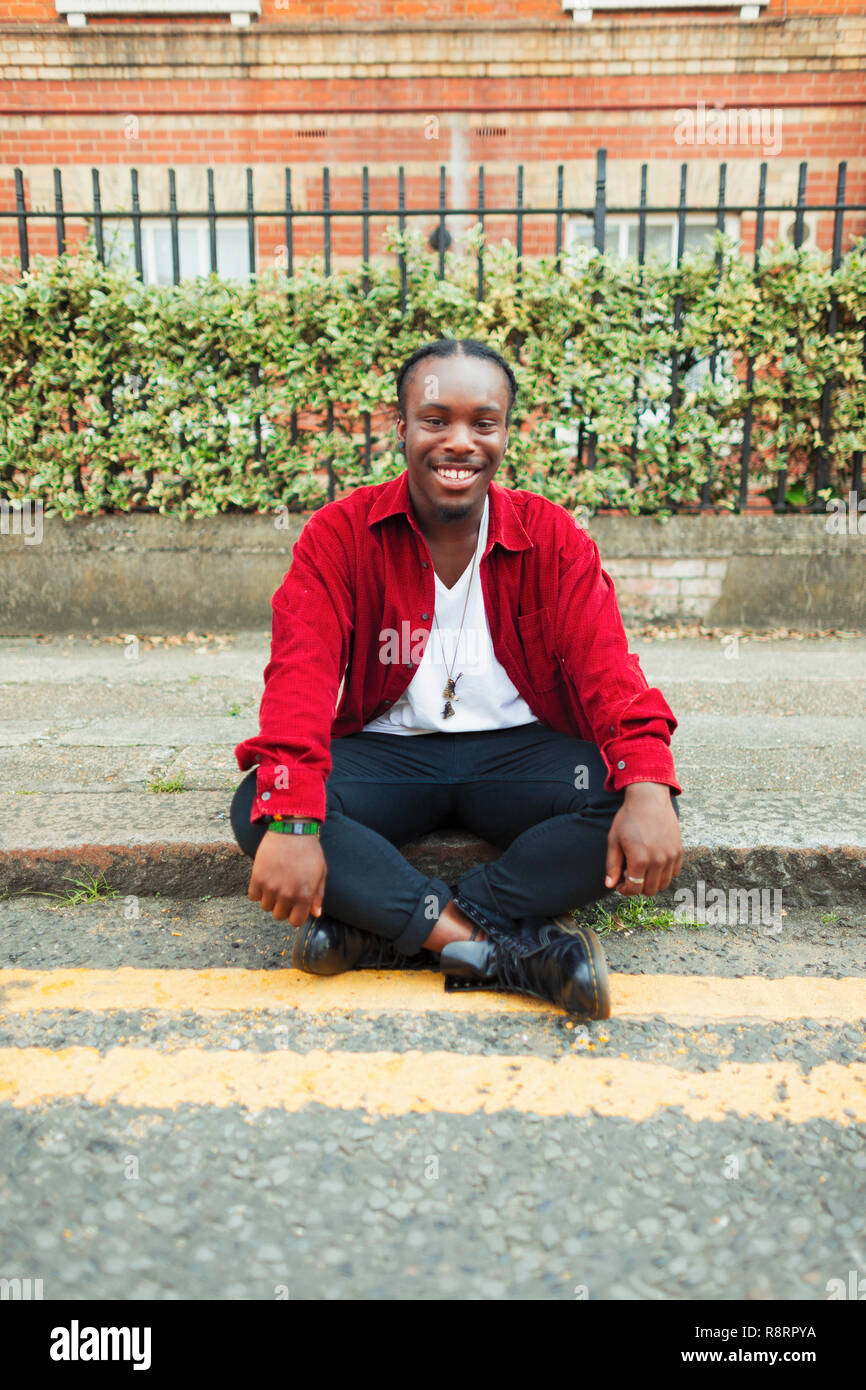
<point>583,15</point>
<point>150,225</point>
<point>76,11</point>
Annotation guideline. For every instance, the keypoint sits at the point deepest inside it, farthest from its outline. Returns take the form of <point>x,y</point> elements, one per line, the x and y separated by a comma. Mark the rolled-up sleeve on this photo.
<point>312,623</point>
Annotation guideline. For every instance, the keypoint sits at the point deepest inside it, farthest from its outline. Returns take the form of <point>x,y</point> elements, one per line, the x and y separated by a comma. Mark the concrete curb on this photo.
<point>807,877</point>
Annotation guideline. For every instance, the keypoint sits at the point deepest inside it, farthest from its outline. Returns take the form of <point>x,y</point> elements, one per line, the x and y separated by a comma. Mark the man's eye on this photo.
<point>435,420</point>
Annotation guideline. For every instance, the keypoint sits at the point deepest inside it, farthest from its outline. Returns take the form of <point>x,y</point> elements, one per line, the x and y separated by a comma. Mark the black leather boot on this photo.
<point>563,963</point>
<point>326,946</point>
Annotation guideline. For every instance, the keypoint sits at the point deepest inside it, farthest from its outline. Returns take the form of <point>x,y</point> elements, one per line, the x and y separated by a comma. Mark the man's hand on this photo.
<point>644,841</point>
<point>288,877</point>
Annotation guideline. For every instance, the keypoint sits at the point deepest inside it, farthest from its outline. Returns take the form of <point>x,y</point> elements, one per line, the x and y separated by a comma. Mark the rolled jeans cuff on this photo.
<point>429,908</point>
<point>484,913</point>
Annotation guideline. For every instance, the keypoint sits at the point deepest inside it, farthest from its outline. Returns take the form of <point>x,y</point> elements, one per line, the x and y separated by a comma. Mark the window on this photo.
<point>620,234</point>
<point>582,10</point>
<point>621,240</point>
<point>76,11</point>
<point>232,246</point>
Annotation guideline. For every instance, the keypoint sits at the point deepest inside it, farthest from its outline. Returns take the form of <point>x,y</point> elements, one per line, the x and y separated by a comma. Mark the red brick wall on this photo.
<point>195,96</point>
<point>357,11</point>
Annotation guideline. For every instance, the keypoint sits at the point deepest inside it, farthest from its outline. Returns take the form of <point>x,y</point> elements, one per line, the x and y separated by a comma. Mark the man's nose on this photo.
<point>460,438</point>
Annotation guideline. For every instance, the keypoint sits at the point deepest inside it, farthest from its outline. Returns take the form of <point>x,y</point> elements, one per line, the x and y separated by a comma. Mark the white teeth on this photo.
<point>461,474</point>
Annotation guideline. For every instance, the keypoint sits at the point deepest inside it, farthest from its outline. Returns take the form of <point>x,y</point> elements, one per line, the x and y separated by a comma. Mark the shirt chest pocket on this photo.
<point>536,637</point>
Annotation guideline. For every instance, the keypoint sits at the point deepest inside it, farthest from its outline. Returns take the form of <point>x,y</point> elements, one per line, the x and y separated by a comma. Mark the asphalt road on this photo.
<point>183,1116</point>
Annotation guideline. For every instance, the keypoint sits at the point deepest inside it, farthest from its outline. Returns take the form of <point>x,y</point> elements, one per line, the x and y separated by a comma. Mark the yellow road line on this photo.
<point>677,998</point>
<point>391,1083</point>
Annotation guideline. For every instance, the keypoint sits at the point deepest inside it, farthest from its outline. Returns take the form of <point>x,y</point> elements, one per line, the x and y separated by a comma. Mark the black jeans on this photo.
<point>537,794</point>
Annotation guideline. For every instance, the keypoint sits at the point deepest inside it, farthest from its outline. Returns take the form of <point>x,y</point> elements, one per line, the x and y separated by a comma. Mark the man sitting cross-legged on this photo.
<point>486,683</point>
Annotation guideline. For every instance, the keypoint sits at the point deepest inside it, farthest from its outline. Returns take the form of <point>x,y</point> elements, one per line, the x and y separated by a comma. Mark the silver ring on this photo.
<point>629,879</point>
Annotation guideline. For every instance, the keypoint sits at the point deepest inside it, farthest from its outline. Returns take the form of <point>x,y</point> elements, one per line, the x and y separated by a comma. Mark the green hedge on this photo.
<point>116,396</point>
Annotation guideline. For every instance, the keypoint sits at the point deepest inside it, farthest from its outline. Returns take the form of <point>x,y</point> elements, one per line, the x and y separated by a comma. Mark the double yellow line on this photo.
<point>397,1083</point>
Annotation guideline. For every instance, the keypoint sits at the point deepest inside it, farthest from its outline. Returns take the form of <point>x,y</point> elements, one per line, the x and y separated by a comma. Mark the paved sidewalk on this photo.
<point>770,752</point>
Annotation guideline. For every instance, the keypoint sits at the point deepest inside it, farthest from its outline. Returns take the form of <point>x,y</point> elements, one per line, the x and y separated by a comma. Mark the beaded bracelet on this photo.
<point>294,826</point>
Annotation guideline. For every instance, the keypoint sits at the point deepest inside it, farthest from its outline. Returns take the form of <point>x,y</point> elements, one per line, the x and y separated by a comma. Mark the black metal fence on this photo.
<point>596,214</point>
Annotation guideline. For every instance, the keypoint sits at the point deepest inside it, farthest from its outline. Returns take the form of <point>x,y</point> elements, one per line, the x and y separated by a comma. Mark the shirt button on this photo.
<point>620,765</point>
<point>266,796</point>
<point>425,564</point>
<point>425,616</point>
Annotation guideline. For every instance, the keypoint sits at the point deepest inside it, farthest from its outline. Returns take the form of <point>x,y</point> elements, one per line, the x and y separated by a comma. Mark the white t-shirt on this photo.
<point>485,698</point>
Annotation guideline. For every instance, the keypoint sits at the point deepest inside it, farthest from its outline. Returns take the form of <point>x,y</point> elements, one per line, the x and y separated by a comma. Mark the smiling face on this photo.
<point>455,435</point>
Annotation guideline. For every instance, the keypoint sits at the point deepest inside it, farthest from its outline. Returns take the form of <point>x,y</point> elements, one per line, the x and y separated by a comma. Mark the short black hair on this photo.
<point>454,347</point>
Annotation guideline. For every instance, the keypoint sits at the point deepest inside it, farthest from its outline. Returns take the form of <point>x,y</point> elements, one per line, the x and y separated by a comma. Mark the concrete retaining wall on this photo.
<point>145,573</point>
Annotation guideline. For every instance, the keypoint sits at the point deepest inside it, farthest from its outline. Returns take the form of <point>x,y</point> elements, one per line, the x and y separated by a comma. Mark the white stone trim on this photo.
<point>76,11</point>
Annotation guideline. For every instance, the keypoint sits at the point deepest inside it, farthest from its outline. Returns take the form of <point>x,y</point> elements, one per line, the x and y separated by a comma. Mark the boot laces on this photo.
<point>512,959</point>
<point>384,953</point>
<point>380,953</point>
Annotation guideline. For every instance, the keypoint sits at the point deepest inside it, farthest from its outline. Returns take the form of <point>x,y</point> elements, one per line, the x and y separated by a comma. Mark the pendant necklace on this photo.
<point>449,692</point>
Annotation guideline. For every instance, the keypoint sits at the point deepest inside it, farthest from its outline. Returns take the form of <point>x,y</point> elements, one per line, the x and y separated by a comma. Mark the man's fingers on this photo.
<point>642,856</point>
<point>652,878</point>
<point>613,864</point>
<point>635,868</point>
<point>668,875</point>
<point>658,875</point>
<point>633,865</point>
<point>299,913</point>
<point>295,909</point>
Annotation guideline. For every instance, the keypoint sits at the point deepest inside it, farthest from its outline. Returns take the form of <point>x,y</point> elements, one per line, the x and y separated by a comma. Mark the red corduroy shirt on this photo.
<point>361,567</point>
